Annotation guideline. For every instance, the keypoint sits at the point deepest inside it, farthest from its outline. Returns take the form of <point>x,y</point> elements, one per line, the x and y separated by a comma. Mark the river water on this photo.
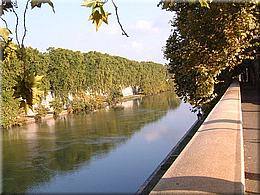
<point>107,151</point>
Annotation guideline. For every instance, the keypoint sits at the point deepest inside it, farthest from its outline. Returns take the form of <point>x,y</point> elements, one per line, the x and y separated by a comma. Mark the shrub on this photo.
<point>41,112</point>
<point>57,106</point>
<point>11,114</point>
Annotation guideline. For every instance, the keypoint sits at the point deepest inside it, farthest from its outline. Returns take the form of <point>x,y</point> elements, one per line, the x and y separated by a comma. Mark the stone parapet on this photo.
<point>213,160</point>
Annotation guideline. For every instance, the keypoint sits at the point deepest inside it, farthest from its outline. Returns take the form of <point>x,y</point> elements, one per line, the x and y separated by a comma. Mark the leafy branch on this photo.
<point>28,84</point>
<point>99,15</point>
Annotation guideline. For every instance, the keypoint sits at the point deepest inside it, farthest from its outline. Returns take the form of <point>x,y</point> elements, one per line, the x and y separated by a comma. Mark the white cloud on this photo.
<point>111,29</point>
<point>146,26</point>
<point>154,134</point>
<point>137,45</point>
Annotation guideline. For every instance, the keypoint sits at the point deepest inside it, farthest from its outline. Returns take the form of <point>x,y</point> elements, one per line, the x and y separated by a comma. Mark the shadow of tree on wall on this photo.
<point>252,176</point>
<point>250,95</point>
<point>223,121</point>
<point>215,129</point>
<point>198,184</point>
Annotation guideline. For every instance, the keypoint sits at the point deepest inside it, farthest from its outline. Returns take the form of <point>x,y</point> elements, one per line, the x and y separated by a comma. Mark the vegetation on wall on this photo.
<point>90,78</point>
<point>97,73</point>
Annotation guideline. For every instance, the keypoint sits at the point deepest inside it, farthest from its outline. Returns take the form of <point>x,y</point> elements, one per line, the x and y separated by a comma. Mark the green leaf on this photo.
<point>204,3</point>
<point>6,5</point>
<point>4,33</point>
<point>89,3</point>
<point>98,14</point>
<point>38,3</point>
<point>105,17</point>
<point>38,79</point>
<point>97,18</point>
<point>102,10</point>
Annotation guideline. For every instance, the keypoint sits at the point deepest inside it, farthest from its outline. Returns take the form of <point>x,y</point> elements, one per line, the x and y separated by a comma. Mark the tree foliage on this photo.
<point>28,83</point>
<point>10,69</point>
<point>205,42</point>
<point>97,73</point>
<point>65,72</point>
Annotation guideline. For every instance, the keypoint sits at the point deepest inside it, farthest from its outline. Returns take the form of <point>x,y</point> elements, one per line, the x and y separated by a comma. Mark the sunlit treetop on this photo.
<point>170,4</point>
<point>207,45</point>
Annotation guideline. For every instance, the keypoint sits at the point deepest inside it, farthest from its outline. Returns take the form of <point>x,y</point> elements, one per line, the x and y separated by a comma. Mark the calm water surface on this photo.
<point>102,152</point>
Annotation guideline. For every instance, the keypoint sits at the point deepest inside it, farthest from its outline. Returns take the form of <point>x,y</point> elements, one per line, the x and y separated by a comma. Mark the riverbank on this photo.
<point>83,151</point>
<point>32,119</point>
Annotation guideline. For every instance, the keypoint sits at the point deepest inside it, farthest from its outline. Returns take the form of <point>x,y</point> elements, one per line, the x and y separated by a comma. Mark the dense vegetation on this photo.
<point>208,44</point>
<point>91,78</point>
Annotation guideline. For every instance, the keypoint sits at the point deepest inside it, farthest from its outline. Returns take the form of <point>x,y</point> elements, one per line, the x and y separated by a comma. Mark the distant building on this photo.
<point>128,91</point>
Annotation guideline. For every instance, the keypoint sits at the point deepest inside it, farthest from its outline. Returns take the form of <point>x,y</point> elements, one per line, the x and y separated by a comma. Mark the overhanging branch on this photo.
<point>16,26</point>
<point>6,26</point>
<point>24,24</point>
<point>122,29</point>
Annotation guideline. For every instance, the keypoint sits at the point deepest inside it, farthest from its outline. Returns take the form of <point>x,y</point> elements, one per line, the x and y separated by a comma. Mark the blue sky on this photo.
<point>147,25</point>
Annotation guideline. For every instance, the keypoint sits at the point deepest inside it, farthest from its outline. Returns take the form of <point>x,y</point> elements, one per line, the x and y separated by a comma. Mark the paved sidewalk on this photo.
<point>213,161</point>
<point>251,131</point>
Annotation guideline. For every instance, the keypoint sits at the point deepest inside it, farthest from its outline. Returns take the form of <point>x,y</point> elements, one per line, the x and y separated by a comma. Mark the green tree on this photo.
<point>28,83</point>
<point>67,72</point>
<point>10,69</point>
<point>205,42</point>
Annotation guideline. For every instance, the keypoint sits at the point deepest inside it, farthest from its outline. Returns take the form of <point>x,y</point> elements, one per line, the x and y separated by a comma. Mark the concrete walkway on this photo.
<point>213,161</point>
<point>251,131</point>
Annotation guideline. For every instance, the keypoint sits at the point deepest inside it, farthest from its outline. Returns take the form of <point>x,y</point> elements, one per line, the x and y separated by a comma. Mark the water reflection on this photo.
<point>36,153</point>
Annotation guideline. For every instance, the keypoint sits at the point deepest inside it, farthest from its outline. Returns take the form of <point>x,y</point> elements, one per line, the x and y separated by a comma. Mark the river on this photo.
<point>108,151</point>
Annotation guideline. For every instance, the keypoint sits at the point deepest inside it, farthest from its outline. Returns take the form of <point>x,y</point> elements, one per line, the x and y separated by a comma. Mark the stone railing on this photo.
<point>213,160</point>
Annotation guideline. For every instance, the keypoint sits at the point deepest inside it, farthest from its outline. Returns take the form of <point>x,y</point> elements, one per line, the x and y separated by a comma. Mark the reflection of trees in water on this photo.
<point>163,101</point>
<point>30,158</point>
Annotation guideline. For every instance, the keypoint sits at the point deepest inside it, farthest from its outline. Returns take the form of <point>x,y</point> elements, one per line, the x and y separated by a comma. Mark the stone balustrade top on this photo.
<point>213,160</point>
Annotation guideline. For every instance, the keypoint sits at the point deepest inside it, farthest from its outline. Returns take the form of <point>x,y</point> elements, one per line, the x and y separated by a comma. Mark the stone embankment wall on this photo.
<point>46,102</point>
<point>213,160</point>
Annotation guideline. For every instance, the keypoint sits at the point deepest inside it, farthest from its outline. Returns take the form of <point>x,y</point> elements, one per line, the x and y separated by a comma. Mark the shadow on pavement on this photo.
<point>198,183</point>
<point>252,176</point>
